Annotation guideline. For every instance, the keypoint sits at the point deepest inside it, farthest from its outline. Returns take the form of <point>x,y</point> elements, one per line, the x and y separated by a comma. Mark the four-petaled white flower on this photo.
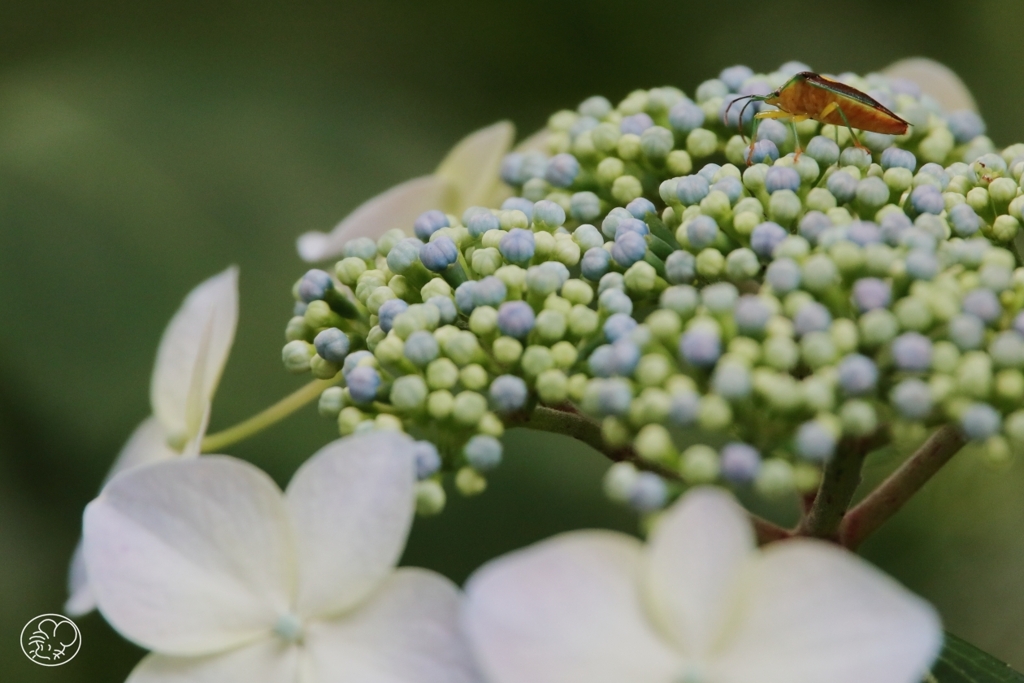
<point>467,177</point>
<point>189,362</point>
<point>699,604</point>
<point>206,563</point>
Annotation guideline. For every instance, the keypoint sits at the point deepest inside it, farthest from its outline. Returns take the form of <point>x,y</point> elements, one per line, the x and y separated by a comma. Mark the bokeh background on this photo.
<point>146,145</point>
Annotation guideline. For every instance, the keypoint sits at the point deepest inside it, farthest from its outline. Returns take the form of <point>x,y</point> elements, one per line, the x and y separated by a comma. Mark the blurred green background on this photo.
<point>145,146</point>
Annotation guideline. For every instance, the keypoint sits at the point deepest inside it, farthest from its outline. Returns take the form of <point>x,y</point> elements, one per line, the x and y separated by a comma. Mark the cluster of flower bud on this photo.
<point>727,309</point>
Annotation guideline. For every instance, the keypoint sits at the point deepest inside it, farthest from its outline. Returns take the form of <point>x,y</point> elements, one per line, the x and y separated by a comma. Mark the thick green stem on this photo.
<point>900,486</point>
<point>838,484</point>
<point>275,413</point>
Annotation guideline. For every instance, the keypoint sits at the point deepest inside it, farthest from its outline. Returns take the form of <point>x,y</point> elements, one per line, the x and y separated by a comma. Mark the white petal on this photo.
<point>814,612</point>
<point>352,505</point>
<point>407,631</point>
<point>566,609</point>
<point>265,661</point>
<point>473,165</point>
<point>935,79</point>
<point>397,207</point>
<point>190,556</point>
<point>696,555</point>
<point>538,142</point>
<point>147,444</point>
<point>192,355</point>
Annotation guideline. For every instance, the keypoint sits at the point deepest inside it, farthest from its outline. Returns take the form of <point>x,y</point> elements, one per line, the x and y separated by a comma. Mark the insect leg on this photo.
<point>753,139</point>
<point>856,140</point>
<point>796,140</point>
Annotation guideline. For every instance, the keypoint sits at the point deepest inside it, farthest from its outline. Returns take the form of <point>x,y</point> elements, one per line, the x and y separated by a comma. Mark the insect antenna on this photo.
<point>739,123</point>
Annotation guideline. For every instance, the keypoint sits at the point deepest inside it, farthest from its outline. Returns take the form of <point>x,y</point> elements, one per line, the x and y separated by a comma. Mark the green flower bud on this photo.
<point>376,298</point>
<point>549,326</point>
<point>319,316</point>
<point>858,418</point>
<point>553,302</point>
<point>514,277</point>
<point>781,353</point>
<point>332,400</point>
<point>627,188</point>
<point>744,222</point>
<point>878,259</point>
<point>679,162</point>
<point>878,327</point>
<point>818,349</point>
<point>564,354</point>
<point>430,497</point>
<point>716,205</point>
<point>614,432</point>
<point>577,386</point>
<point>714,413</point>
<point>578,292</point>
<point>651,406</point>
<point>536,359</point>
<point>442,374</point>
<point>775,479</point>
<point>653,370</point>
<point>699,465</point>
<point>323,369</point>
<point>440,404</point>
<point>544,245</point>
<point>474,377</point>
<point>819,393</point>
<point>745,349</point>
<point>552,386</point>
<point>486,261</point>
<point>469,482</point>
<point>389,423</point>
<point>1009,385</point>
<point>491,239</point>
<point>784,207</point>
<point>741,264</point>
<point>1005,228</point>
<point>848,257</point>
<point>506,350</point>
<point>945,357</point>
<point>619,481</point>
<point>1013,425</point>
<point>653,442</point>
<point>710,262</point>
<point>819,273</point>
<point>820,199</point>
<point>390,350</point>
<point>664,325</point>
<point>974,374</point>
<point>469,407</point>
<point>935,146</point>
<point>996,451</point>
<point>701,143</point>
<point>566,251</point>
<point>348,419</point>
<point>509,220</point>
<point>297,356</point>
<point>583,321</point>
<point>437,287</point>
<point>462,348</point>
<point>490,425</point>
<point>298,330</point>
<point>628,147</point>
<point>483,321</point>
<point>408,393</point>
<point>605,137</point>
<point>641,278</point>
<point>609,169</point>
<point>349,269</point>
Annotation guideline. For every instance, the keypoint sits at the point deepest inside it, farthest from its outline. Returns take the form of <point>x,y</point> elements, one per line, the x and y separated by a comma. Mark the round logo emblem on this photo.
<point>50,640</point>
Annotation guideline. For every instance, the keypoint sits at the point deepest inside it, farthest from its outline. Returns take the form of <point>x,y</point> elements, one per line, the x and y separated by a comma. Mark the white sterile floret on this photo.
<point>468,176</point>
<point>699,604</point>
<point>189,361</point>
<point>206,563</point>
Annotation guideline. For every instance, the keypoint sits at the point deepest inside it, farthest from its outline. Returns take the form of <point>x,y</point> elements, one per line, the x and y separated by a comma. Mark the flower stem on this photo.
<point>838,484</point>
<point>275,413</point>
<point>900,486</point>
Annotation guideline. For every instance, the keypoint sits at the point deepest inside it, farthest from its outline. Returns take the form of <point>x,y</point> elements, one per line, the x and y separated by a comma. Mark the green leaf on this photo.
<point>961,662</point>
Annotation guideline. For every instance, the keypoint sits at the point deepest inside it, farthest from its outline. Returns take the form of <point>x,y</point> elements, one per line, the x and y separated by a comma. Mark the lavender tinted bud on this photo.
<point>640,208</point>
<point>870,293</point>
<point>912,352</point>
<point>363,382</point>
<point>700,347</point>
<point>585,206</point>
<point>894,157</point>
<point>983,304</point>
<point>740,462</point>
<point>858,375</point>
<point>515,319</point>
<point>692,189</point>
<point>508,393</point>
<point>680,267</point>
<point>482,452</point>
<point>781,178</point>
<point>812,225</point>
<point>766,237</point>
<point>814,441</point>
<point>843,186</point>
<point>482,222</point>
<point>428,223</point>
<point>332,345</point>
<point>314,285</point>
<point>823,150</point>
<point>980,421</point>
<point>912,398</point>
<point>783,275</point>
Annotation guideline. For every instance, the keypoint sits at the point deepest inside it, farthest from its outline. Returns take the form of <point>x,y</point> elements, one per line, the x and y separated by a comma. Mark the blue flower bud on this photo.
<point>588,237</point>
<point>765,237</point>
<point>823,150</point>
<point>618,326</point>
<point>610,224</point>
<point>596,106</point>
<point>607,396</point>
<point>752,314</point>
<point>735,76</point>
<point>922,265</point>
<point>352,361</point>
<point>685,408</point>
<point>858,374</point>
<point>481,222</point>
<point>814,441</point>
<point>702,232</point>
<point>621,358</point>
<point>774,131</point>
<point>812,225</point>
<point>912,352</point>
<point>965,125</point>
<point>719,298</point>
<point>388,311</point>
<point>299,308</point>
<point>363,383</point>
<point>863,233</point>
<point>489,291</point>
<point>649,493</point>
<point>631,225</point>
<point>562,170</point>
<point>980,421</point>
<point>332,345</point>
<point>894,157</point>
<point>403,255</point>
<point>362,248</point>
<point>708,172</point>
<point>939,173</point>
<point>628,249</point>
<point>967,332</point>
<point>421,348</point>
<point>585,206</point>
<point>635,124</point>
<point>685,117</point>
<point>870,293</point>
<point>912,398</point>
<point>428,223</point>
<point>446,308</point>
<point>740,462</point>
<point>508,393</point>
<point>983,304</point>
<point>512,169</point>
<point>781,178</point>
<point>595,263</point>
<point>783,275</point>
<point>812,317</point>
<point>843,186</point>
<point>437,255</point>
<point>700,347</point>
<point>465,297</point>
<point>731,187</point>
<point>764,152</point>
<point>548,214</point>
<point>680,267</point>
<point>515,319</point>
<point>1018,322</point>
<point>427,459</point>
<point>615,301</point>
<point>964,220</point>
<point>314,285</point>
<point>640,207</point>
<point>482,452</point>
<point>691,189</point>
<point>517,246</point>
<point>927,199</point>
<point>892,227</point>
<point>519,204</point>
<point>731,381</point>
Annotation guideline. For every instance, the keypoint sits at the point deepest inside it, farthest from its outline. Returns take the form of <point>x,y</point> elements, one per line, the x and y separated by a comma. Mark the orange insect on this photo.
<point>810,96</point>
